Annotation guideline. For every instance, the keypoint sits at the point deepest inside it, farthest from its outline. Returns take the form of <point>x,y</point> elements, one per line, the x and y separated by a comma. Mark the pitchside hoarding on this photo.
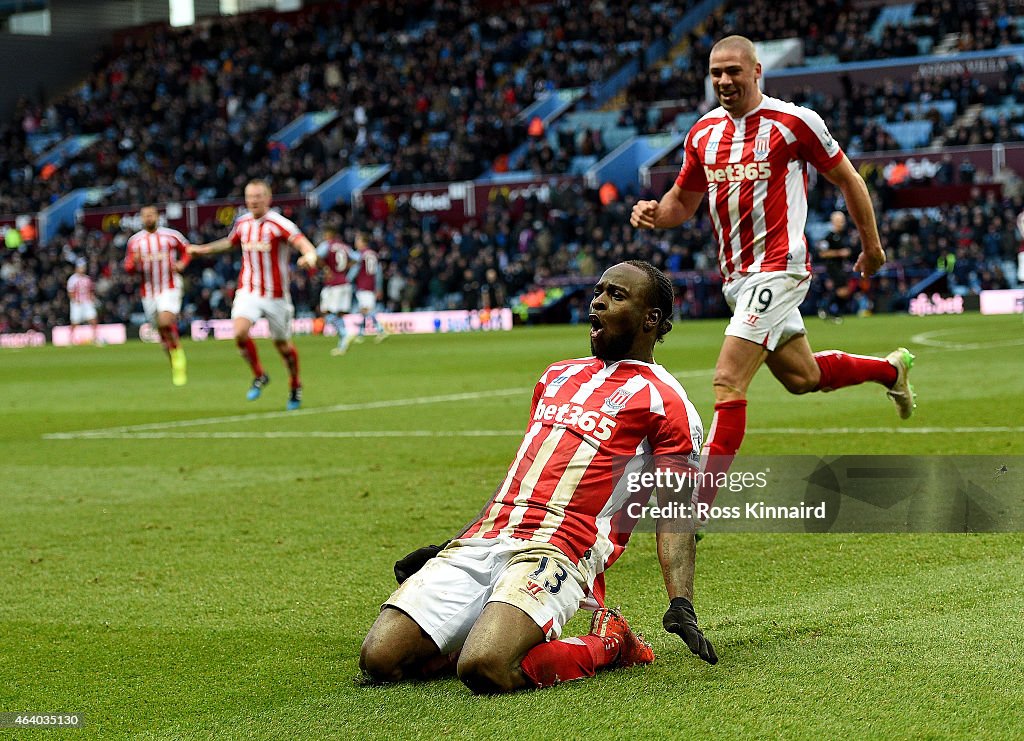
<point>410,322</point>
<point>1003,302</point>
<point>18,340</point>
<point>184,217</point>
<point>457,203</point>
<point>106,334</point>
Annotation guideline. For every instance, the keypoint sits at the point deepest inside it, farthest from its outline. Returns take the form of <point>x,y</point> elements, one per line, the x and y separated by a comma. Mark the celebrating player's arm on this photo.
<point>212,248</point>
<point>308,258</point>
<point>858,201</point>
<point>677,554</point>
<point>675,207</point>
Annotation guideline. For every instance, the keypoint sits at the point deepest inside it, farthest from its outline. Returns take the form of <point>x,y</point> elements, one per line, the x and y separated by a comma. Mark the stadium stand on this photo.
<point>436,91</point>
<point>181,114</point>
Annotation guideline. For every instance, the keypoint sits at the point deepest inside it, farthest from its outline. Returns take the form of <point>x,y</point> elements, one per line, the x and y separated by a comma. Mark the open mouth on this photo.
<point>727,97</point>
<point>595,326</point>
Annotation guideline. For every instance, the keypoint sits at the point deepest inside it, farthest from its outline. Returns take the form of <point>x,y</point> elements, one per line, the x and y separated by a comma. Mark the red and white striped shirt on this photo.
<point>156,252</point>
<point>754,171</point>
<point>592,423</point>
<point>80,289</point>
<point>265,258</point>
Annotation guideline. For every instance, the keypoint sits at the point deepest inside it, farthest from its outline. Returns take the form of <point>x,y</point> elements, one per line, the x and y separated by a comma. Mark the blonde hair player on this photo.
<point>264,237</point>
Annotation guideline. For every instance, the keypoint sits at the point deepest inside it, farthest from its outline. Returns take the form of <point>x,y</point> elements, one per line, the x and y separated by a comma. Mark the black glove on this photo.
<point>682,620</point>
<point>406,567</point>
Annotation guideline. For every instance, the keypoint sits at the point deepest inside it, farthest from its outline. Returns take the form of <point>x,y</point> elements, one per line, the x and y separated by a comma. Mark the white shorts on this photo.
<point>278,311</point>
<point>336,299</point>
<point>169,300</point>
<point>766,307</point>
<point>447,595</point>
<point>82,312</point>
<point>367,300</point>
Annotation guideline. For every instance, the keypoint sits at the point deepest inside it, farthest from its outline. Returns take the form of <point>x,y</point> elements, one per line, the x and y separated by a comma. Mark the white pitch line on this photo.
<point>383,404</point>
<point>368,434</point>
<point>692,373</point>
<point>876,430</point>
<point>929,339</point>
<point>342,434</point>
<point>130,430</point>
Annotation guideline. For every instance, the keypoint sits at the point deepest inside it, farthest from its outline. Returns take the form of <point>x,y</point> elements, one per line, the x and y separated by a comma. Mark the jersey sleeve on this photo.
<point>181,247</point>
<point>289,227</point>
<point>691,174</point>
<point>678,434</point>
<point>815,143</point>
<point>235,236</point>
<point>353,271</point>
<point>538,391</point>
<point>129,257</point>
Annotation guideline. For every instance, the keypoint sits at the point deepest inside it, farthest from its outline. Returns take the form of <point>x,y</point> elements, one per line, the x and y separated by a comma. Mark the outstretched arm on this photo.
<point>677,550</point>
<point>677,553</point>
<point>210,248</point>
<point>673,209</point>
<point>303,245</point>
<point>858,201</point>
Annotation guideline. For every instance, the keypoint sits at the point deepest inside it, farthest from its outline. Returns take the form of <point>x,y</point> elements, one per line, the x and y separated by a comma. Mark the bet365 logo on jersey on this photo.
<point>592,422</point>
<point>738,172</point>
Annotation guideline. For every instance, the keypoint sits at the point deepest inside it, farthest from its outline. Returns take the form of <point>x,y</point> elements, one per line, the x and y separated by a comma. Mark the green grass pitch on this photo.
<point>206,567</point>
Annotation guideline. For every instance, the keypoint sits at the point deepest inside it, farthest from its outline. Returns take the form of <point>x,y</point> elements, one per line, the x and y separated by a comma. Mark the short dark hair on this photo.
<point>661,294</point>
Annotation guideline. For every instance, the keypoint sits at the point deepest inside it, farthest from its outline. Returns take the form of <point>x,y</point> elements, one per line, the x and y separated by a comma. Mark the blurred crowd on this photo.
<point>566,239</point>
<point>431,87</point>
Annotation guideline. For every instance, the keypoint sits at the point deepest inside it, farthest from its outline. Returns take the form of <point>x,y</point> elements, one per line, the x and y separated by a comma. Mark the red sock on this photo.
<point>291,359</point>
<point>248,349</point>
<point>171,337</point>
<point>571,658</point>
<point>726,435</point>
<point>839,369</point>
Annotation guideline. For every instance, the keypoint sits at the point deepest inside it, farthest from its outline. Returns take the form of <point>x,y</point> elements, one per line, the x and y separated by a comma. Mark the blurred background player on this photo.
<point>369,283</point>
<point>833,252</point>
<point>160,254</point>
<point>337,258</point>
<point>264,237</point>
<point>82,298</point>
